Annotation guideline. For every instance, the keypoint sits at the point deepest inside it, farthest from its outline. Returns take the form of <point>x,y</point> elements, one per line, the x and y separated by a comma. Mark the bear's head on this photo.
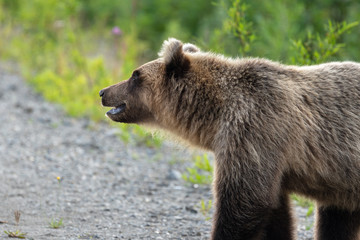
<point>168,92</point>
<point>134,100</point>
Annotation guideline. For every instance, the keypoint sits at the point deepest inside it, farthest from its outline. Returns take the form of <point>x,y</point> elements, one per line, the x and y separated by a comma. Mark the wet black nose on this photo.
<point>101,93</point>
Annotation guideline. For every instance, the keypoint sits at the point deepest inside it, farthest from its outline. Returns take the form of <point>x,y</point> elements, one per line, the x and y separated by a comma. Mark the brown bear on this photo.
<point>274,130</point>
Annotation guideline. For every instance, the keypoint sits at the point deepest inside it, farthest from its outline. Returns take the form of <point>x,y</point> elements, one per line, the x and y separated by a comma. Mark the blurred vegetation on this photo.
<point>70,49</point>
<point>201,172</point>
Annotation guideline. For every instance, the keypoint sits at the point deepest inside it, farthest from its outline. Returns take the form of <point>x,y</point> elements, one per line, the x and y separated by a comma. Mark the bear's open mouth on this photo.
<point>117,110</point>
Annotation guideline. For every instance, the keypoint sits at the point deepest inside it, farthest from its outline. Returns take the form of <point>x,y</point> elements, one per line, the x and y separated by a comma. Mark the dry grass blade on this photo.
<point>17,215</point>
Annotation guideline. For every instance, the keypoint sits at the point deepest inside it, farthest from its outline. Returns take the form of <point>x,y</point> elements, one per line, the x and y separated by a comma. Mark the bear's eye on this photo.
<point>135,80</point>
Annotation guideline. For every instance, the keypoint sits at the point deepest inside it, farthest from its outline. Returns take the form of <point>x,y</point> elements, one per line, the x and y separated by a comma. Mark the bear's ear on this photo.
<point>176,62</point>
<point>188,47</point>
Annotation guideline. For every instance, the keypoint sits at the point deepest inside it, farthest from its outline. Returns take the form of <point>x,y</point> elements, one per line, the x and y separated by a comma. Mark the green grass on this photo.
<point>201,172</point>
<point>56,223</point>
<point>15,234</point>
<point>305,203</point>
<point>63,62</point>
<point>301,201</point>
<point>205,209</point>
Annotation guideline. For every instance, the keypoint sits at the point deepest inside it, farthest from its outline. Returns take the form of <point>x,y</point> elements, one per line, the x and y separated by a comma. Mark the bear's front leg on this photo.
<point>249,203</point>
<point>235,219</point>
<point>334,223</point>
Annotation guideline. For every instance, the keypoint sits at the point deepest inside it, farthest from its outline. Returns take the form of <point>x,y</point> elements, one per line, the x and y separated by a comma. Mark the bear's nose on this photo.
<point>101,93</point>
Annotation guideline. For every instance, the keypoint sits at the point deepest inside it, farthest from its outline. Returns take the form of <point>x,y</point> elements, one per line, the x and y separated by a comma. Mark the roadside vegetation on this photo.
<point>69,50</point>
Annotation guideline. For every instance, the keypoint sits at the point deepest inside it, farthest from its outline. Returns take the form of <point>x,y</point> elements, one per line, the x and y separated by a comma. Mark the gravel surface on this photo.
<point>108,190</point>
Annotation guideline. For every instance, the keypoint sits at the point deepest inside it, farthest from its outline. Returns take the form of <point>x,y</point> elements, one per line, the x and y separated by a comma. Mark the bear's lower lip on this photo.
<point>117,110</point>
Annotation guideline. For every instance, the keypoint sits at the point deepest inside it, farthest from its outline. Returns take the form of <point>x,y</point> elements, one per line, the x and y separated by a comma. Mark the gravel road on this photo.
<point>108,190</point>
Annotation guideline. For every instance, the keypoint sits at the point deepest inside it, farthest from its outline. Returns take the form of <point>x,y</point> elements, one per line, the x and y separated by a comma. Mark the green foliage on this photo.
<point>315,49</point>
<point>56,223</point>
<point>201,172</point>
<point>75,87</point>
<point>161,19</point>
<point>277,24</point>
<point>68,53</point>
<point>310,210</point>
<point>55,56</point>
<point>305,203</point>
<point>136,135</point>
<point>15,234</point>
<point>142,137</point>
<point>240,26</point>
<point>205,209</point>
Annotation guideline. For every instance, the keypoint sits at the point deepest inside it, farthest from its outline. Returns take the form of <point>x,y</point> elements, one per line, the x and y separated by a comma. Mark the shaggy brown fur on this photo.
<point>274,130</point>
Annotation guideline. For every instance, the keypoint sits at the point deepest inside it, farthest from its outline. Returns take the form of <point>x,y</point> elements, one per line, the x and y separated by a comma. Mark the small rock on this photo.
<point>173,175</point>
<point>190,209</point>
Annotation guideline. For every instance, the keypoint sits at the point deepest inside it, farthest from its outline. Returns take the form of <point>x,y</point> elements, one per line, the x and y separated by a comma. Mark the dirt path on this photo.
<point>108,190</point>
